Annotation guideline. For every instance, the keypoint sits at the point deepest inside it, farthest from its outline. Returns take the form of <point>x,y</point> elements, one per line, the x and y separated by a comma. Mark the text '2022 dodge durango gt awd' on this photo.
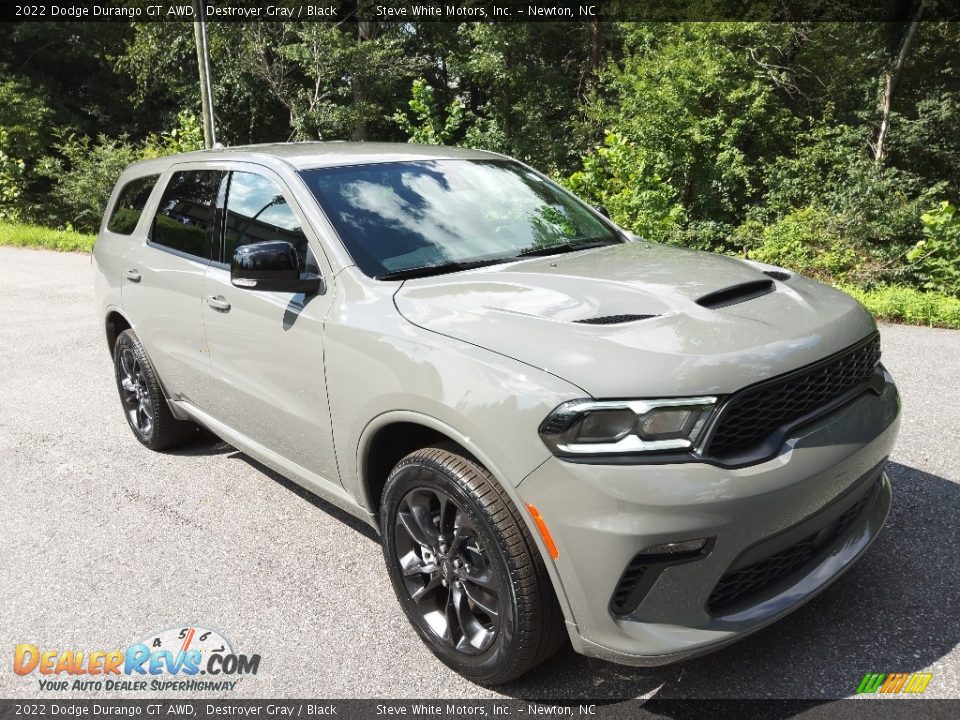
<point>559,430</point>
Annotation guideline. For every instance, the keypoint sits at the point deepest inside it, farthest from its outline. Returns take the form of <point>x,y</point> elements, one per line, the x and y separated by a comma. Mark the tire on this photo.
<point>144,404</point>
<point>481,600</point>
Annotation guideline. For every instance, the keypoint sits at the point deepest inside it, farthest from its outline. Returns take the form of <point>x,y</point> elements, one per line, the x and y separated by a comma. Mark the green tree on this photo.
<point>617,176</point>
<point>431,125</point>
<point>698,101</point>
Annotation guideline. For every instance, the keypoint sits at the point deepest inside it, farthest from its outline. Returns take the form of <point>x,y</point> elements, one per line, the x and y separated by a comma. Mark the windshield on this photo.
<point>450,214</point>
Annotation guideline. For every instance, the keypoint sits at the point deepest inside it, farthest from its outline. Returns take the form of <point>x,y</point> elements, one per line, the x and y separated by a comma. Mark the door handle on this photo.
<point>133,275</point>
<point>217,302</point>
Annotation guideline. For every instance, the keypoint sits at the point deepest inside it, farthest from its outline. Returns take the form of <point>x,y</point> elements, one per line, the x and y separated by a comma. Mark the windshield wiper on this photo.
<point>567,247</point>
<point>440,268</point>
<point>454,266</point>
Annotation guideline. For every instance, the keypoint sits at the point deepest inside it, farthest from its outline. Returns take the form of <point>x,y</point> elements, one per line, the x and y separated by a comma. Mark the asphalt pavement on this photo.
<point>105,543</point>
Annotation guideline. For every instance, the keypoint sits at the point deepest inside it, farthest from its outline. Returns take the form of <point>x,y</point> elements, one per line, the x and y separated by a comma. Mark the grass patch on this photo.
<point>906,305</point>
<point>34,236</point>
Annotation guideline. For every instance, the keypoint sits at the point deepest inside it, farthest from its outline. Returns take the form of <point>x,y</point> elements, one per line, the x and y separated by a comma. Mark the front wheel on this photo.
<point>465,568</point>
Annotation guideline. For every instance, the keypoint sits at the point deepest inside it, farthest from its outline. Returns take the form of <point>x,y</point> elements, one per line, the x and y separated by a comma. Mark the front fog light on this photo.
<point>676,548</point>
<point>589,427</point>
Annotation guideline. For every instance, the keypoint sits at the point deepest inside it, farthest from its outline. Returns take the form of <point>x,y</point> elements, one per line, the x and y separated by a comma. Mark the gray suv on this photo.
<point>560,430</point>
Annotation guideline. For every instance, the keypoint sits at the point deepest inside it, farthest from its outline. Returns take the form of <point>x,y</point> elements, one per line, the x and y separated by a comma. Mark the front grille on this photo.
<point>738,587</point>
<point>752,415</point>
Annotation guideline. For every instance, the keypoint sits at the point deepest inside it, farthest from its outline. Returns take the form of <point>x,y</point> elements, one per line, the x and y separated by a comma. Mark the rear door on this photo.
<point>122,230</point>
<point>163,278</point>
<point>266,348</point>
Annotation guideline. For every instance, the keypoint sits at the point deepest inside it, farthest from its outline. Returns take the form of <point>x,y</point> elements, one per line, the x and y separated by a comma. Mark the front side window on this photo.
<point>130,203</point>
<point>256,211</point>
<point>185,218</point>
<point>442,215</point>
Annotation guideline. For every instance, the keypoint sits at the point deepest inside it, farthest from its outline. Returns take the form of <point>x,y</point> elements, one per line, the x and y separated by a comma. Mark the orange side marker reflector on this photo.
<point>544,532</point>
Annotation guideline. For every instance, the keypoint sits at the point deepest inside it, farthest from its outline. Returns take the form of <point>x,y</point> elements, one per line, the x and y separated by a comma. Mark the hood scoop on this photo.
<point>736,294</point>
<point>614,319</point>
<point>777,275</point>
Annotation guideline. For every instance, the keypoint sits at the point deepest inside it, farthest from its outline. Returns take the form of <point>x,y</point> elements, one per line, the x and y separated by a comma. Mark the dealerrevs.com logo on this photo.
<point>180,659</point>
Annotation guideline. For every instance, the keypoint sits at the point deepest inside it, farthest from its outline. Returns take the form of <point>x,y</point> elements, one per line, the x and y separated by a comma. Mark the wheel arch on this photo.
<point>392,436</point>
<point>114,323</point>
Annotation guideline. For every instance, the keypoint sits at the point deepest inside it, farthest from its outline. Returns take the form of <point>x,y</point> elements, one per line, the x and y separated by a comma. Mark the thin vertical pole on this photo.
<point>203,62</point>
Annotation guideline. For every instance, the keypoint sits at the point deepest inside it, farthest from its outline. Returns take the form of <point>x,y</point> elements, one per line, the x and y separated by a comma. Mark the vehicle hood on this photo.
<point>532,310</point>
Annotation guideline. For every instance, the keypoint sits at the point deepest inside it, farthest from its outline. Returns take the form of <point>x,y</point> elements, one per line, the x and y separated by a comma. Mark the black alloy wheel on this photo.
<point>446,572</point>
<point>466,570</point>
<point>134,393</point>
<point>144,404</point>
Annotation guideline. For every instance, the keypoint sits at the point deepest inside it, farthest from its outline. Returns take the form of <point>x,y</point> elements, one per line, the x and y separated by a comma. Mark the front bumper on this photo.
<point>825,488</point>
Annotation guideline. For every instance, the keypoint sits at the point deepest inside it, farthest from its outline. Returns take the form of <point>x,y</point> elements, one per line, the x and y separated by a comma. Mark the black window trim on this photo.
<point>224,195</point>
<point>219,226</point>
<point>172,171</point>
<point>143,211</point>
<point>178,253</point>
<point>228,168</point>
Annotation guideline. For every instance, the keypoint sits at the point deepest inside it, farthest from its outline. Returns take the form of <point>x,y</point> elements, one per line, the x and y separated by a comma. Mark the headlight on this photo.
<point>592,427</point>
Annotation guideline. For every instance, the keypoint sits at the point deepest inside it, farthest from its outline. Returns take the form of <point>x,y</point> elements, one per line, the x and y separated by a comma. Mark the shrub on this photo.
<point>704,235</point>
<point>85,177</point>
<point>11,179</point>
<point>936,258</point>
<point>24,115</point>
<point>84,171</point>
<point>908,305</point>
<point>811,242</point>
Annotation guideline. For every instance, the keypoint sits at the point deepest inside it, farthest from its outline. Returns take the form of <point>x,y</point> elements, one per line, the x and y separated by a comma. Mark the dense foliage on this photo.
<point>830,148</point>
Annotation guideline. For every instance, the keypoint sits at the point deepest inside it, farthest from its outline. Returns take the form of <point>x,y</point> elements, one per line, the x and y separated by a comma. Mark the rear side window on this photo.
<point>185,217</point>
<point>130,203</point>
<point>256,211</point>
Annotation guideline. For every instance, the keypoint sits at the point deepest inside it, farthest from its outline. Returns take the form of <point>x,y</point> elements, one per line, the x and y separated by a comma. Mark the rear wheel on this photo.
<point>465,568</point>
<point>144,404</point>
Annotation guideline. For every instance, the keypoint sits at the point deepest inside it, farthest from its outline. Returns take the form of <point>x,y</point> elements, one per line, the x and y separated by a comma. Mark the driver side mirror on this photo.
<point>272,266</point>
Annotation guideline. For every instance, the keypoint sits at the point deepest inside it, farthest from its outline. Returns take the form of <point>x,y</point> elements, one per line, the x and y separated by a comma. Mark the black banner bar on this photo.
<point>216,709</point>
<point>478,10</point>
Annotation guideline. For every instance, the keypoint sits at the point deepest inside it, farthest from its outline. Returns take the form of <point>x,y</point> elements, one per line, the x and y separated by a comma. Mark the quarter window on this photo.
<point>257,211</point>
<point>130,203</point>
<point>185,218</point>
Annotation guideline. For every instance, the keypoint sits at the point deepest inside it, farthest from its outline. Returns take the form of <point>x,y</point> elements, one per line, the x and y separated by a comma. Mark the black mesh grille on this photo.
<point>753,414</point>
<point>613,319</point>
<point>739,586</point>
<point>631,576</point>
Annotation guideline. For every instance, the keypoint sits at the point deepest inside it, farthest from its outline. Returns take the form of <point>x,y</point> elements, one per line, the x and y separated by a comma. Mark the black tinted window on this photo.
<point>130,203</point>
<point>185,218</point>
<point>256,211</point>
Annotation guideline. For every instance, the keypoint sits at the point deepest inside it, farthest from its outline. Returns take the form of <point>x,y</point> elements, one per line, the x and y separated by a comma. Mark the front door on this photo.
<point>266,348</point>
